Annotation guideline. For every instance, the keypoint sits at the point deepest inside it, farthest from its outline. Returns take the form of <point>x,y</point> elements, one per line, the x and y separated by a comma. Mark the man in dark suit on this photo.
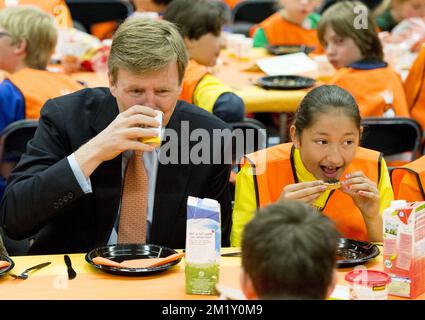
<point>66,189</point>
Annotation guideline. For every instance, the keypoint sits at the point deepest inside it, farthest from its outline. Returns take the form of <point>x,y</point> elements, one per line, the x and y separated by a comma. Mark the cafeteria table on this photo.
<point>52,282</point>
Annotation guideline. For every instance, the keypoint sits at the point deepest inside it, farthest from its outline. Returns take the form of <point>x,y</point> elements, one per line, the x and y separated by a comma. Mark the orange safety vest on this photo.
<point>104,30</point>
<point>56,8</point>
<point>232,3</point>
<point>193,74</point>
<point>282,32</point>
<point>368,86</point>
<point>274,169</point>
<point>408,181</point>
<point>37,86</point>
<point>414,86</point>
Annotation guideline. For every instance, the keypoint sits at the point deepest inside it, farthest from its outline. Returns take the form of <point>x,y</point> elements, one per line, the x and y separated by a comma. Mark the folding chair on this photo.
<point>250,12</point>
<point>88,12</point>
<point>254,136</point>
<point>398,138</point>
<point>250,132</point>
<point>14,138</point>
<point>13,143</point>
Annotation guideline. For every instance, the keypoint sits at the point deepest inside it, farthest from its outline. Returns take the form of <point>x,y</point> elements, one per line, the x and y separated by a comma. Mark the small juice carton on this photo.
<point>404,249</point>
<point>203,243</point>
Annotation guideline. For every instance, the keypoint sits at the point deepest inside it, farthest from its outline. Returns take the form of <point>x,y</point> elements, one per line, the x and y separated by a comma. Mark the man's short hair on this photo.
<point>36,27</point>
<point>289,252</point>
<point>196,18</point>
<point>142,45</point>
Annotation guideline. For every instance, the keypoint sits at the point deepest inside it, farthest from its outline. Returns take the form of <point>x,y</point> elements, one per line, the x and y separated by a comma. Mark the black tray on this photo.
<point>121,252</point>
<point>4,271</point>
<point>353,252</point>
<point>287,49</point>
<point>283,82</point>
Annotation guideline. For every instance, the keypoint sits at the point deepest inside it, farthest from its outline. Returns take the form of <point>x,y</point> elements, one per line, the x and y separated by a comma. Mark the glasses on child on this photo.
<point>4,34</point>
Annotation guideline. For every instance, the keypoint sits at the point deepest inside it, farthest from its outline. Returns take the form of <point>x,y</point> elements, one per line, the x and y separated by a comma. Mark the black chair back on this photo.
<point>88,12</point>
<point>254,137</point>
<point>250,12</point>
<point>14,138</point>
<point>13,143</point>
<point>392,136</point>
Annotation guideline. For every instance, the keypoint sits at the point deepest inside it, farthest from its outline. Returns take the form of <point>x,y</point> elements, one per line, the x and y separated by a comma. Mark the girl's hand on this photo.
<point>304,191</point>
<point>364,193</point>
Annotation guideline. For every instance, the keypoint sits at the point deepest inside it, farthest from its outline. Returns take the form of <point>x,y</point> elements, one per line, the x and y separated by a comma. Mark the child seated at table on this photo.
<point>356,53</point>
<point>395,11</point>
<point>27,40</point>
<point>200,23</point>
<point>289,252</point>
<point>294,24</point>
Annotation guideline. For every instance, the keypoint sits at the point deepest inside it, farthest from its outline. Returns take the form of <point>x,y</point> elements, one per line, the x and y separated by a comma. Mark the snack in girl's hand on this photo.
<point>333,184</point>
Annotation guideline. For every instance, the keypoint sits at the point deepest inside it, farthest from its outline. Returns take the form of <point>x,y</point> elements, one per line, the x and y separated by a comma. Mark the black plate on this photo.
<point>121,252</point>
<point>3,271</point>
<point>285,82</point>
<point>352,252</point>
<point>282,49</point>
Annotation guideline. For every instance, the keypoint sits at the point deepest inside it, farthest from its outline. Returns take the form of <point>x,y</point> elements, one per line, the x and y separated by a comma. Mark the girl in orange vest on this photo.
<point>200,23</point>
<point>325,148</point>
<point>409,181</point>
<point>347,32</point>
<point>295,24</point>
<point>27,40</point>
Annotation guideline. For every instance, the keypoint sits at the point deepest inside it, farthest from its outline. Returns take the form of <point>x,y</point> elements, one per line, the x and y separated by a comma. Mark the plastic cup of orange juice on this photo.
<point>156,141</point>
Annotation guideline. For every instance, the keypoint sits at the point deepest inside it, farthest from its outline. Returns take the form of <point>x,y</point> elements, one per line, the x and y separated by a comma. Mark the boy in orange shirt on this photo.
<point>27,40</point>
<point>356,53</point>
<point>200,23</point>
<point>295,24</point>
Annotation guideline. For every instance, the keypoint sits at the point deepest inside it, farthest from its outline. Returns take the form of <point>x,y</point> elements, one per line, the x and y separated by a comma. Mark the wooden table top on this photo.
<point>52,281</point>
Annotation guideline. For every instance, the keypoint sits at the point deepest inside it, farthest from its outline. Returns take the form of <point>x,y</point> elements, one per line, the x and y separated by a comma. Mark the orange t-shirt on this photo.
<point>375,90</point>
<point>282,32</point>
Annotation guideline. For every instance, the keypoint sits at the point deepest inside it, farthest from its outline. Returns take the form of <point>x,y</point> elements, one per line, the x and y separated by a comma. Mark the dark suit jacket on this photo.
<point>44,197</point>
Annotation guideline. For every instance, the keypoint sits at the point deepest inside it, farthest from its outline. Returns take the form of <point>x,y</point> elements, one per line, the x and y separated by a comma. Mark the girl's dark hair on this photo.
<point>342,17</point>
<point>322,100</point>
<point>195,18</point>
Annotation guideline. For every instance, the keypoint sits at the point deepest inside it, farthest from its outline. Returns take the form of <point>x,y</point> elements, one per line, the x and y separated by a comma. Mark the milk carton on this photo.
<point>404,248</point>
<point>203,242</point>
